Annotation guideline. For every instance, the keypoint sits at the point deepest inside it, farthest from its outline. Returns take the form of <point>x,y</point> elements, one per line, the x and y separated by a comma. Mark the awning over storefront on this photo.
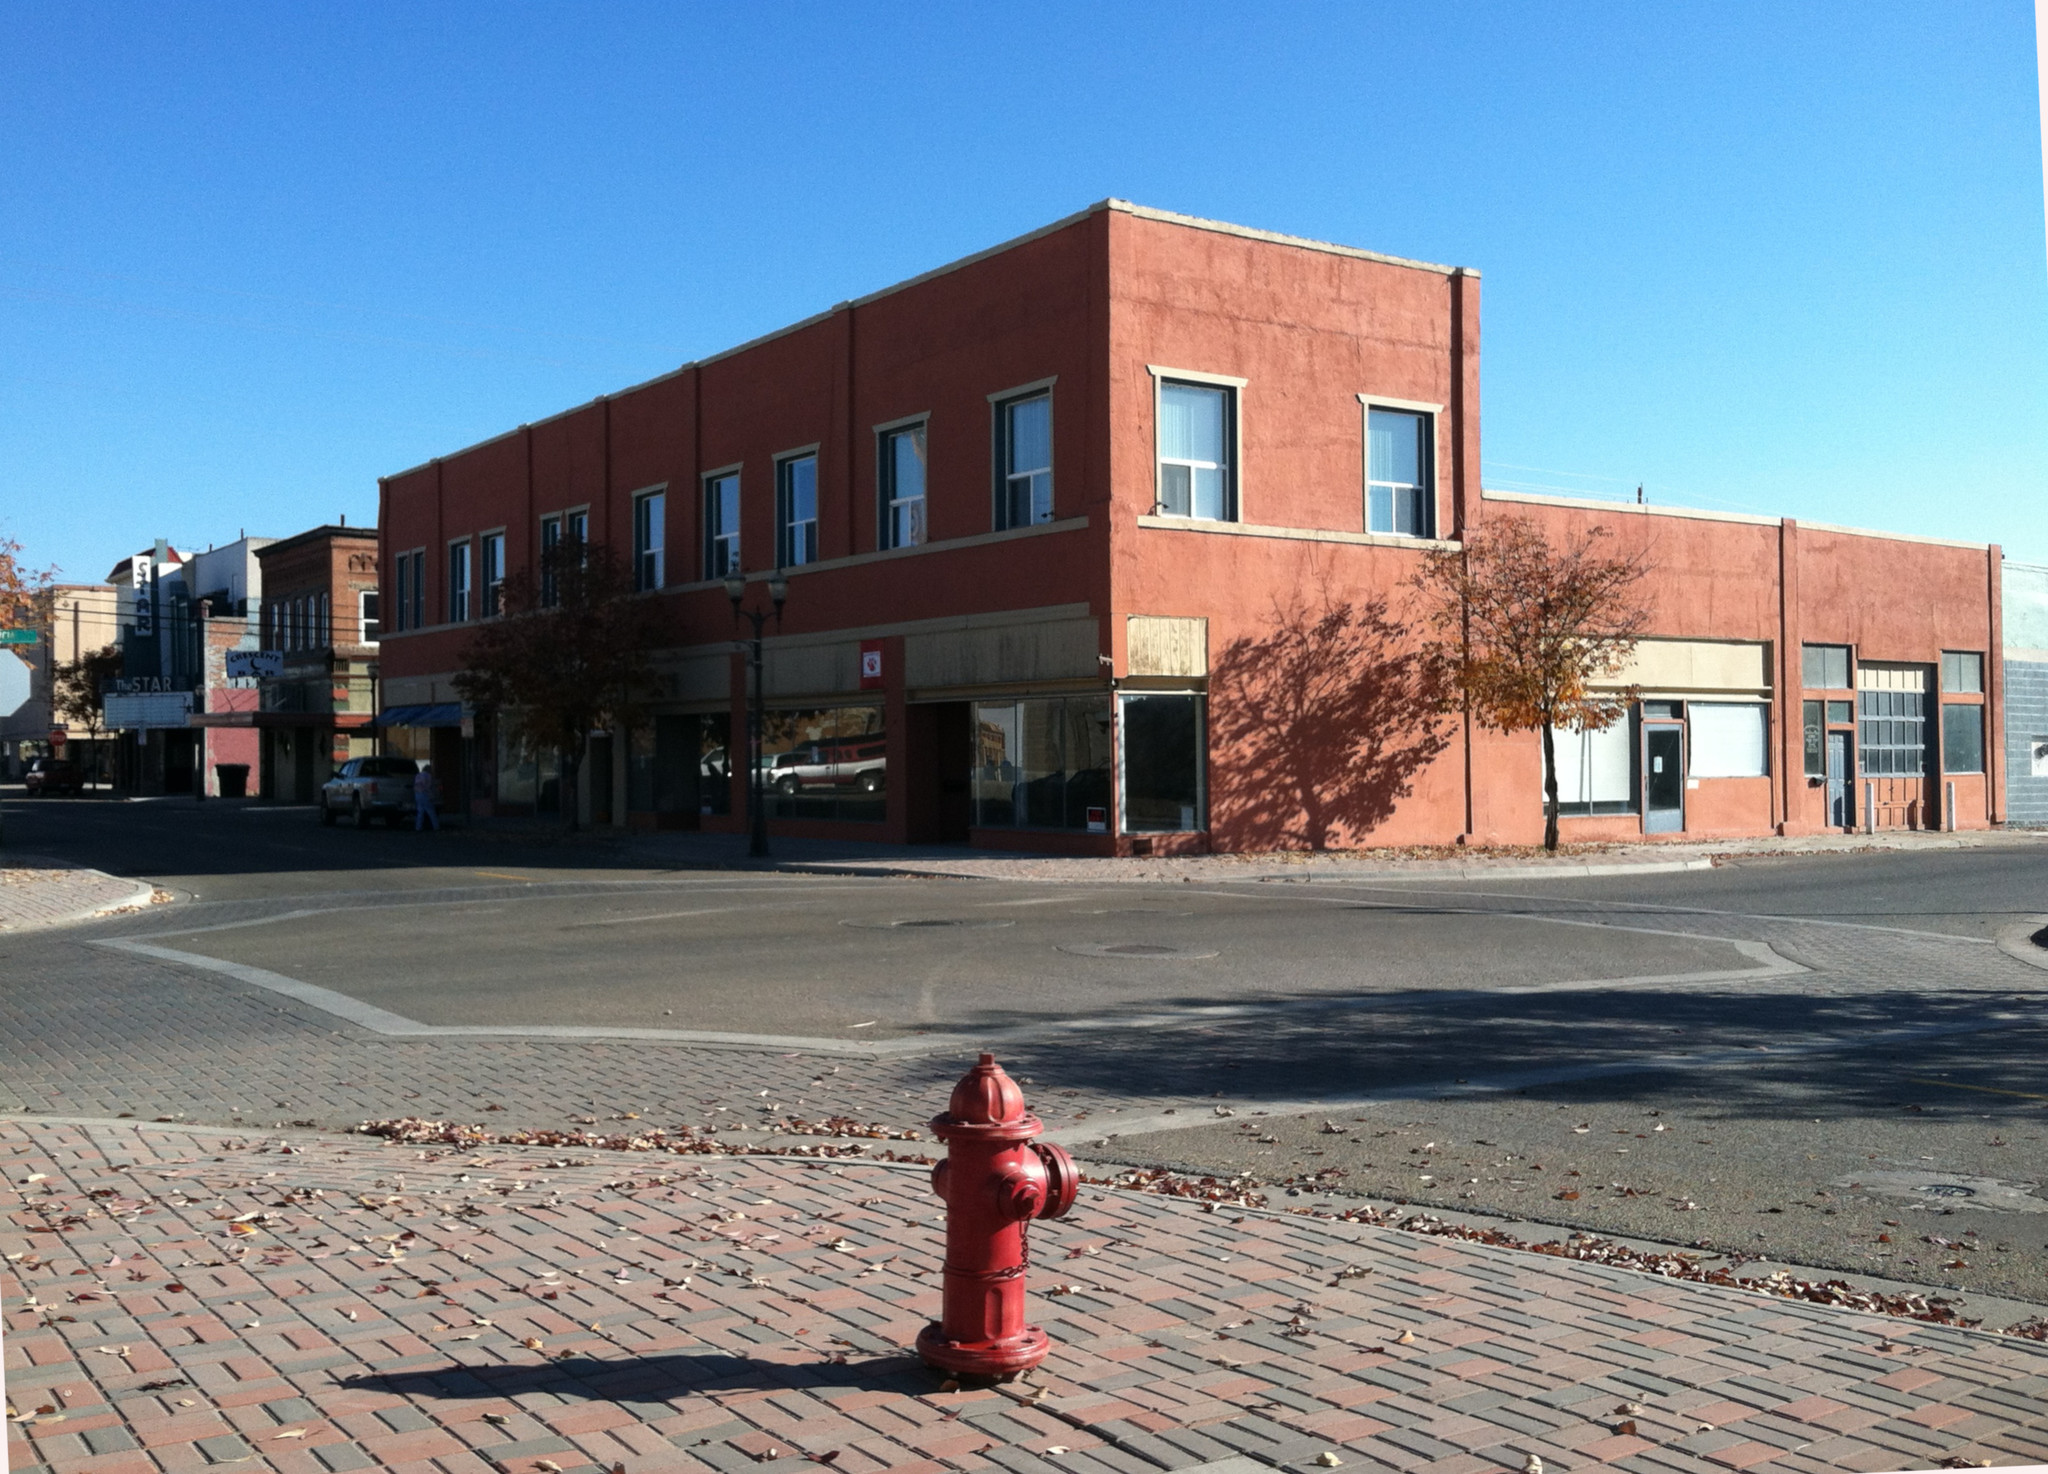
<point>439,714</point>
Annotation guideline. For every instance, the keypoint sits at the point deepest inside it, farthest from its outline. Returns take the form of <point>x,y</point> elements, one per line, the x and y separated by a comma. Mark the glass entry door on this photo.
<point>1841,810</point>
<point>1663,778</point>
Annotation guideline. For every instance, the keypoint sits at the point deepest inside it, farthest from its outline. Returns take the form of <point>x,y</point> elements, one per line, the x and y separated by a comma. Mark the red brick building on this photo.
<point>316,703</point>
<point>1078,533</point>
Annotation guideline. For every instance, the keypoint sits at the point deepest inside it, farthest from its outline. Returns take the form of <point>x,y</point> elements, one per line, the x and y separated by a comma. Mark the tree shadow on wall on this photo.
<point>1325,723</point>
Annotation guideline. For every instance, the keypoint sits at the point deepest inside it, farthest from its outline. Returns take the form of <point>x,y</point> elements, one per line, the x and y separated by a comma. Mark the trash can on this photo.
<point>234,779</point>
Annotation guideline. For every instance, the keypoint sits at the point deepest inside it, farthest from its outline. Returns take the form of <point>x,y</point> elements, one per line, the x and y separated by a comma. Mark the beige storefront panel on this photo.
<point>1043,650</point>
<point>1724,667</point>
<point>1156,645</point>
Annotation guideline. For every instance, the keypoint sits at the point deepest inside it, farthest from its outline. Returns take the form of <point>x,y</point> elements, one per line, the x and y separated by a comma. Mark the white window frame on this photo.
<point>458,613</point>
<point>1234,480</point>
<point>787,544</point>
<point>1000,405</point>
<point>730,538</point>
<point>1432,484</point>
<point>886,500</point>
<point>490,592</point>
<point>646,579</point>
<point>363,619</point>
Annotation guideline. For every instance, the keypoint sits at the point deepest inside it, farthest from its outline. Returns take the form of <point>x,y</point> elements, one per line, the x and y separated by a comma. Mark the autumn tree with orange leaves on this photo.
<point>24,594</point>
<point>1527,627</point>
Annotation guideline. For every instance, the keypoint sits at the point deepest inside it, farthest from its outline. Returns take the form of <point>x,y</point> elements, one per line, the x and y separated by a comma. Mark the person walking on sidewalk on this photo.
<point>423,800</point>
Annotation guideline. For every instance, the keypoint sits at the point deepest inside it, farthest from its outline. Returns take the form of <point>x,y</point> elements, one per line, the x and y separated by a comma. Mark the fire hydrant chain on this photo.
<point>996,1178</point>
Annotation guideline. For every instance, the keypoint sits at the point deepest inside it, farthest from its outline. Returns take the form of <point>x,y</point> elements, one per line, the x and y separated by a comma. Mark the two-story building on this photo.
<point>317,691</point>
<point>1100,541</point>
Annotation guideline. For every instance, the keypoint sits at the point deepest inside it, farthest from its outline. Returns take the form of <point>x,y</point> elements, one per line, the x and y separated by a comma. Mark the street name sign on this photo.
<point>19,637</point>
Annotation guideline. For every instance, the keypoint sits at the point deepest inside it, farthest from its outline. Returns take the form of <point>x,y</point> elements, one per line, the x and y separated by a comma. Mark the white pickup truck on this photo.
<point>366,786</point>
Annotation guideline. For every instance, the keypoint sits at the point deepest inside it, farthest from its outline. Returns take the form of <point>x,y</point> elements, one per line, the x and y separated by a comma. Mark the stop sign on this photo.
<point>14,673</point>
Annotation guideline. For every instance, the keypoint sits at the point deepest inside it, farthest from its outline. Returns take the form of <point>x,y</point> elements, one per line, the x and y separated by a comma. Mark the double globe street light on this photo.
<point>757,808</point>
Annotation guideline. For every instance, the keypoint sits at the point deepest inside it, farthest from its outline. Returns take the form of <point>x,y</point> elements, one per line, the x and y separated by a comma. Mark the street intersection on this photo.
<point>1824,1064</point>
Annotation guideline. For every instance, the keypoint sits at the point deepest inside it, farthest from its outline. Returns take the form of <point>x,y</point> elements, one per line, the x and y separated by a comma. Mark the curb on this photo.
<point>2017,942</point>
<point>138,895</point>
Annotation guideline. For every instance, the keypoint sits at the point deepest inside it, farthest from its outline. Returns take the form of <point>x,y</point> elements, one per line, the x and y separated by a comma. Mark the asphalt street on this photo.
<point>1823,1060</point>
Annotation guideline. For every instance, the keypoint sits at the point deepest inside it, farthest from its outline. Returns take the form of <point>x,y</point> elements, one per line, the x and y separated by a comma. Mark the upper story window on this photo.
<point>1197,431</point>
<point>458,582</point>
<point>796,511</point>
<point>903,455</point>
<point>550,539</point>
<point>650,521</point>
<point>1024,461</point>
<point>1824,667</point>
<point>1400,487</point>
<point>401,584</point>
<point>418,616</point>
<point>491,550</point>
<point>1962,671</point>
<point>323,626</point>
<point>721,524</point>
<point>372,628</point>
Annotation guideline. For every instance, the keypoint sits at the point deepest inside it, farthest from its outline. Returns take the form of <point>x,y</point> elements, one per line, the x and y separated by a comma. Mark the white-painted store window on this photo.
<point>1596,770</point>
<point>1729,739</point>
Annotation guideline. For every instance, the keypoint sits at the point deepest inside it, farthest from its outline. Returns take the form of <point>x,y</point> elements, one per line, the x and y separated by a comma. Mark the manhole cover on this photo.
<point>1957,1188</point>
<point>963,923</point>
<point>1148,950</point>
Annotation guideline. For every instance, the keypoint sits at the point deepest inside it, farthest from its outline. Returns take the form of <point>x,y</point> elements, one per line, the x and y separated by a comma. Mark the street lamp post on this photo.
<point>757,809</point>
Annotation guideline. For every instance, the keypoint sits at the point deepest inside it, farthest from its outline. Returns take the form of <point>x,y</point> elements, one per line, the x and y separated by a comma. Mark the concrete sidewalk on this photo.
<point>1445,862</point>
<point>178,1298</point>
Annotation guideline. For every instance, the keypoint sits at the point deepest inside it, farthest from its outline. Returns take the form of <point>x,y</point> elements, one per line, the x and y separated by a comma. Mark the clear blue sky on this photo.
<point>1755,256</point>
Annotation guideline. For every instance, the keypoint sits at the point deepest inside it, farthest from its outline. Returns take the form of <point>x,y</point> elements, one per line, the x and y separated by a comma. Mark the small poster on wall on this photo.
<point>870,665</point>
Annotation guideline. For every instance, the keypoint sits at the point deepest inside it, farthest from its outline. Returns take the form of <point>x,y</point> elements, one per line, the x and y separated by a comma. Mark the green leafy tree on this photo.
<point>78,690</point>
<point>1528,627</point>
<point>569,655</point>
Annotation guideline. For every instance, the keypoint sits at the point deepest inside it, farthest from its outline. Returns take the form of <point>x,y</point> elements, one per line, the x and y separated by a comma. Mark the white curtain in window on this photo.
<point>1191,423</point>
<point>1727,739</point>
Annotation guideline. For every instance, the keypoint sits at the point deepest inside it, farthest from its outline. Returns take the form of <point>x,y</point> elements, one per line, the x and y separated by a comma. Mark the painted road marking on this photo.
<point>657,916</point>
<point>1980,1089</point>
<point>500,875</point>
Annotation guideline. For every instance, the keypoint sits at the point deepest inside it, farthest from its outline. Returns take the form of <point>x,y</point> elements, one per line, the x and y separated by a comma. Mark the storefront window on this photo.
<point>525,775</point>
<point>1162,741</point>
<point>1962,738</point>
<point>1042,764</point>
<point>677,765</point>
<point>825,764</point>
<point>1816,740</point>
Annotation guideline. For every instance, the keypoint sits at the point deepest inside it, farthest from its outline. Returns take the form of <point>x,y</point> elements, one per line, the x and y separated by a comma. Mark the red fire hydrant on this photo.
<point>994,1181</point>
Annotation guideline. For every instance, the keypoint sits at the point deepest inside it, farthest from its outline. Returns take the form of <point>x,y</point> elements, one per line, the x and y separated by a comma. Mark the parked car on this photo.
<point>366,786</point>
<point>47,775</point>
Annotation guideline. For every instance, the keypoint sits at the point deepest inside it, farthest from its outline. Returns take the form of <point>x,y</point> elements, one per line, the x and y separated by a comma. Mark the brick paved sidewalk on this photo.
<point>36,892</point>
<point>177,1299</point>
